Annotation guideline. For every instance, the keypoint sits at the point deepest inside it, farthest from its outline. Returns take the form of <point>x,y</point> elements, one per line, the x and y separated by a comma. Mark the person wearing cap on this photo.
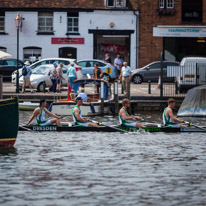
<point>83,95</point>
<point>77,117</point>
<point>168,117</point>
<point>26,78</point>
<point>72,76</point>
<point>53,77</point>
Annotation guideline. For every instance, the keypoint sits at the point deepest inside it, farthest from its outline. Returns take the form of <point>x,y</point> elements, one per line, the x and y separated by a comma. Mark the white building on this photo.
<point>73,34</point>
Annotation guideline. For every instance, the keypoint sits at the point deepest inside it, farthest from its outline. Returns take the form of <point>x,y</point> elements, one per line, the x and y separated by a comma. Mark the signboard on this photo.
<point>114,48</point>
<point>55,40</point>
<point>179,32</point>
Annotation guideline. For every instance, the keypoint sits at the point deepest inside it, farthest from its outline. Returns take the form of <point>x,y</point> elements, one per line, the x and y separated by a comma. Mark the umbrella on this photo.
<point>4,55</point>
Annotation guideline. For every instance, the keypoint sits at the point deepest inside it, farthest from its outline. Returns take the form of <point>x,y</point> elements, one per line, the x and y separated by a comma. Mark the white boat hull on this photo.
<point>65,108</point>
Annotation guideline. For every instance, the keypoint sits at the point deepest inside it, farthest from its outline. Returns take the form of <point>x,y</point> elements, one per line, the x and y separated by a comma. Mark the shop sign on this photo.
<point>113,48</point>
<point>179,32</point>
<point>67,40</point>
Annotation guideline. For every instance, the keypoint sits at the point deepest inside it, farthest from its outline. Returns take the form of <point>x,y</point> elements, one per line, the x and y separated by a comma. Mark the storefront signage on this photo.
<point>113,48</point>
<point>179,32</point>
<point>67,40</point>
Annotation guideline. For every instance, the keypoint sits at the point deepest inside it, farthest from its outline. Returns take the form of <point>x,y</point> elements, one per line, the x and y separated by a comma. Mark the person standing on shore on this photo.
<point>125,75</point>
<point>53,77</point>
<point>26,78</point>
<point>40,113</point>
<point>107,58</point>
<point>97,74</point>
<point>118,64</point>
<point>72,76</point>
<point>60,77</point>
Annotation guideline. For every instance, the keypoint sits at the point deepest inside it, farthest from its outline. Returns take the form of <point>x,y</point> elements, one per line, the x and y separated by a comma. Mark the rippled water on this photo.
<point>104,169</point>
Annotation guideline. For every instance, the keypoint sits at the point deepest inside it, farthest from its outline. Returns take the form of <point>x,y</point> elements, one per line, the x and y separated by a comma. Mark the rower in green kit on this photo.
<point>168,117</point>
<point>124,116</point>
<point>40,112</point>
<point>77,117</point>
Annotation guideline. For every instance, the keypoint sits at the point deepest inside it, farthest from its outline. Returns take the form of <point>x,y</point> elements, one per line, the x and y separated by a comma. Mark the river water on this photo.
<point>104,169</point>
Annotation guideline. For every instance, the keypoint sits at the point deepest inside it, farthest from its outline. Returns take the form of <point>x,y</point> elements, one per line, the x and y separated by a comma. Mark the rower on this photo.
<point>168,117</point>
<point>77,117</point>
<point>124,116</point>
<point>40,112</point>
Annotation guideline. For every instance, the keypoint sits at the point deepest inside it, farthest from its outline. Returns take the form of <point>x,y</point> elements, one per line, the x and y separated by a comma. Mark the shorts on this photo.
<point>59,81</point>
<point>27,81</point>
<point>83,124</point>
<point>129,124</point>
<point>173,125</point>
<point>45,123</point>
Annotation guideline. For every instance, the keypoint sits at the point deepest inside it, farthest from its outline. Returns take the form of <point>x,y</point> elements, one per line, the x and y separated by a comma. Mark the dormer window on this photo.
<point>116,3</point>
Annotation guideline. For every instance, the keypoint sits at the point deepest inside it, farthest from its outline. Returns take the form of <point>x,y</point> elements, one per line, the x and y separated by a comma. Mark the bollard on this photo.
<point>116,99</point>
<point>176,87</point>
<point>122,91</point>
<point>44,87</point>
<point>1,87</point>
<point>102,98</point>
<point>128,93</point>
<point>149,87</point>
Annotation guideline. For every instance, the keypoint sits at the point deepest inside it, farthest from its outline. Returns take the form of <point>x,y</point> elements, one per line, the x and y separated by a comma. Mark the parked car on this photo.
<point>109,71</point>
<point>152,71</point>
<point>65,61</point>
<point>7,66</point>
<point>41,75</point>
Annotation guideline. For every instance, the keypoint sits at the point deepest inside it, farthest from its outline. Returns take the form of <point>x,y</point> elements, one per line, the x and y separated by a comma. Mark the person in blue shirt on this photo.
<point>83,95</point>
<point>26,78</point>
<point>125,75</point>
<point>72,76</point>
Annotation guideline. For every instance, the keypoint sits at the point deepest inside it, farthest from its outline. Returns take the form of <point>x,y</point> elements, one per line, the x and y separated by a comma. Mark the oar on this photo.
<point>99,123</point>
<point>24,128</point>
<point>191,124</point>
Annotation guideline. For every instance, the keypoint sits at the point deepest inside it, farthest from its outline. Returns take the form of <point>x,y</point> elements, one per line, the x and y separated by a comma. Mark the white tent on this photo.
<point>4,55</point>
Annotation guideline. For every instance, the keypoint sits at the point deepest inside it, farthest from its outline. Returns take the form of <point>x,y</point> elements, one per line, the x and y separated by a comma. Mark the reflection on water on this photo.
<point>104,169</point>
<point>8,151</point>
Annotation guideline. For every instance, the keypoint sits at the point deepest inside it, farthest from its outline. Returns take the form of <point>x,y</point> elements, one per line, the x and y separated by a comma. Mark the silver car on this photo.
<point>152,72</point>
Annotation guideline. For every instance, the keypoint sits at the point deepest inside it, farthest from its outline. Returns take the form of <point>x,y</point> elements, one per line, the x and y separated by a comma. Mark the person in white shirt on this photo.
<point>118,64</point>
<point>125,75</point>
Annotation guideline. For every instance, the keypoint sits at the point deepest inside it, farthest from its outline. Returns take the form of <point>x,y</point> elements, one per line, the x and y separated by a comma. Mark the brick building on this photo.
<point>83,29</point>
<point>175,27</point>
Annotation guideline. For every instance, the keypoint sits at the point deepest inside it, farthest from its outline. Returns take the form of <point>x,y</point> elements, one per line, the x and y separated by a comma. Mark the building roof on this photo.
<point>58,4</point>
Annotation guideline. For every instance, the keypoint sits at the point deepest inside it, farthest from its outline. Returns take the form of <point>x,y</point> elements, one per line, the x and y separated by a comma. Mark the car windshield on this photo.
<point>41,70</point>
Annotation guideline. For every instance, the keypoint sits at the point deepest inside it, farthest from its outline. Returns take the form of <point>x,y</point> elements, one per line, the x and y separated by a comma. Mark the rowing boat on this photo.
<point>76,128</point>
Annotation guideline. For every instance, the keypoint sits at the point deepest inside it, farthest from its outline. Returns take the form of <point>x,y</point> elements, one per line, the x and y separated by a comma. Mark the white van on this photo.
<point>192,73</point>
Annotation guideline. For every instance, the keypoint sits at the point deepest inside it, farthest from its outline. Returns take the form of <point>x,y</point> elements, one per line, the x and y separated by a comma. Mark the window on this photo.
<point>2,21</point>
<point>116,3</point>
<point>73,22</point>
<point>45,22</point>
<point>192,10</point>
<point>168,4</point>
<point>32,54</point>
<point>155,66</point>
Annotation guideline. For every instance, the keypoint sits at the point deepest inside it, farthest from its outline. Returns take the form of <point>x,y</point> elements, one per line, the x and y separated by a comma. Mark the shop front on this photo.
<point>112,42</point>
<point>179,41</point>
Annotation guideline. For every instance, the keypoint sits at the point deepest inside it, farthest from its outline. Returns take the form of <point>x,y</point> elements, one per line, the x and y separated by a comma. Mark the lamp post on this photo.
<point>18,22</point>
